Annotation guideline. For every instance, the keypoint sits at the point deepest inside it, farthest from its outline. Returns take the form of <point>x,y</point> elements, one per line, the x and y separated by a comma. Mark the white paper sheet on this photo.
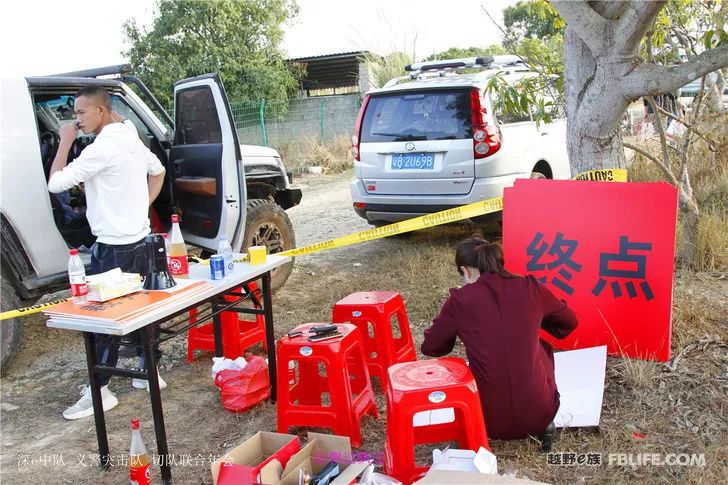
<point>580,379</point>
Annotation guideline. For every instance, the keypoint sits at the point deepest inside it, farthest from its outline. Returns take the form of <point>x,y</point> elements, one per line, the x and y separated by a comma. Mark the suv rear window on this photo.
<point>424,115</point>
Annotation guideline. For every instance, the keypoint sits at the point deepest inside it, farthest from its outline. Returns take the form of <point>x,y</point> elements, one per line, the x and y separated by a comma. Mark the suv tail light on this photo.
<point>486,138</point>
<point>356,137</point>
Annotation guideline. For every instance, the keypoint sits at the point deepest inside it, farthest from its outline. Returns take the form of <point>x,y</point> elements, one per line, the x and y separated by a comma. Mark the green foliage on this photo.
<point>545,56</point>
<point>527,98</point>
<point>459,52</point>
<point>539,96</point>
<point>530,19</point>
<point>684,28</point>
<point>239,39</point>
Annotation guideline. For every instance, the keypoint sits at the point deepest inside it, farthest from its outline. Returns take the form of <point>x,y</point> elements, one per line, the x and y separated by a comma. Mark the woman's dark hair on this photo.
<point>476,252</point>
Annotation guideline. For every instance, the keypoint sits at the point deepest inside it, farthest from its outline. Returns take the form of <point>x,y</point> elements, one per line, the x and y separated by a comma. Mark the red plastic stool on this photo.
<point>428,385</point>
<point>237,334</point>
<point>334,367</point>
<point>375,310</point>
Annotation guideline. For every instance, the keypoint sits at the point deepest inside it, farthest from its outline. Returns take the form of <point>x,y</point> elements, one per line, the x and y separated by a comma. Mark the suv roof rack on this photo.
<point>468,62</point>
<point>118,69</point>
<point>486,62</point>
<point>442,67</point>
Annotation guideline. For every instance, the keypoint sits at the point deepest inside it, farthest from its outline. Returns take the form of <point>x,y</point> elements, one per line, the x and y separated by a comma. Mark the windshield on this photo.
<point>428,115</point>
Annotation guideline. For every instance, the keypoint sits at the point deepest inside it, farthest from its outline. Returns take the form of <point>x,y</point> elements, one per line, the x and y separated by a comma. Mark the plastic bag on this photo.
<point>223,363</point>
<point>240,390</point>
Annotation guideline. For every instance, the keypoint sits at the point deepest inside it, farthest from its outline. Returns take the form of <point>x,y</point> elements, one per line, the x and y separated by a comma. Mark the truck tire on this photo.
<point>267,224</point>
<point>10,330</point>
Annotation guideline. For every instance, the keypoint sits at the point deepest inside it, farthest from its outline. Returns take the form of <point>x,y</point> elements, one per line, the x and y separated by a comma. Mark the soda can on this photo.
<point>217,267</point>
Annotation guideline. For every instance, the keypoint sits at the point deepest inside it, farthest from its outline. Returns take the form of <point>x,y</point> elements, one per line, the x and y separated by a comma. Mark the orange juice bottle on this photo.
<point>139,463</point>
<point>177,251</point>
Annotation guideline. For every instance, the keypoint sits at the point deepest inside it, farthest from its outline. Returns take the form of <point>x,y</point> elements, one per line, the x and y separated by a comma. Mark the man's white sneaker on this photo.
<point>144,384</point>
<point>84,406</point>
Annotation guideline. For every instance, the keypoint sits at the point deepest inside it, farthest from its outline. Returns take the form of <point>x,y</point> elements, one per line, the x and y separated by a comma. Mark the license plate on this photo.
<point>413,161</point>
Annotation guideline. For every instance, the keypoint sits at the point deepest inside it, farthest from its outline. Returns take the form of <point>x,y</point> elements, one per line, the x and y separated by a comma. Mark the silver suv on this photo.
<point>217,185</point>
<point>431,141</point>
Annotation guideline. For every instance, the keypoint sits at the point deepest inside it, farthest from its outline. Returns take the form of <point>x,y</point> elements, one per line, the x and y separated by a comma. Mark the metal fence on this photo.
<point>271,123</point>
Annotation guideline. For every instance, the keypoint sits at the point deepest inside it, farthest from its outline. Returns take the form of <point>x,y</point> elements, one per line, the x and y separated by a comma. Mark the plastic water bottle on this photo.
<point>139,462</point>
<point>226,251</point>
<point>77,278</point>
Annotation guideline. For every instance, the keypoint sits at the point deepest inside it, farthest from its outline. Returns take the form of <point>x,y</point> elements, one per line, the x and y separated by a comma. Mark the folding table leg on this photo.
<point>150,363</point>
<point>269,336</point>
<point>89,340</point>
<point>217,330</point>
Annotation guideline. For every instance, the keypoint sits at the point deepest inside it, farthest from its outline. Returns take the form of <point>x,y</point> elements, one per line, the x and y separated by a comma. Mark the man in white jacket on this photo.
<point>121,179</point>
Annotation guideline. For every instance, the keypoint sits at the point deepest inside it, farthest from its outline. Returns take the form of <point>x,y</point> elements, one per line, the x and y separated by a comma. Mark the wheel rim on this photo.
<point>270,236</point>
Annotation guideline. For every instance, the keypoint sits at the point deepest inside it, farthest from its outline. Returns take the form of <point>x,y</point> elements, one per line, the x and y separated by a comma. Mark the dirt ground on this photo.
<point>680,407</point>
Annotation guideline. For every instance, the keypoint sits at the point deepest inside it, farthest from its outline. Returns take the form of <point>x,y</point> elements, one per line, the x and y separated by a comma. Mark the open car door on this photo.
<point>207,182</point>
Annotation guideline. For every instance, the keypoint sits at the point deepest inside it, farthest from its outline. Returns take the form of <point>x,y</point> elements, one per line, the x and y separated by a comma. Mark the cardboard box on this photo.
<point>449,477</point>
<point>320,449</point>
<point>254,454</point>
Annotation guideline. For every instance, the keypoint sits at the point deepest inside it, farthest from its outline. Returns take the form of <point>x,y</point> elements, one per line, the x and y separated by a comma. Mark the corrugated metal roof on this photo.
<point>332,70</point>
<point>330,56</point>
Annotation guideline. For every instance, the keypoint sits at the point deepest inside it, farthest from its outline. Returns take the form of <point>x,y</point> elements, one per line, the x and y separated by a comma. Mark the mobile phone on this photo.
<point>324,336</point>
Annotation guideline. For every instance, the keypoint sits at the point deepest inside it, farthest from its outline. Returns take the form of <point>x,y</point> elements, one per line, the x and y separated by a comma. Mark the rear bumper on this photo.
<point>393,208</point>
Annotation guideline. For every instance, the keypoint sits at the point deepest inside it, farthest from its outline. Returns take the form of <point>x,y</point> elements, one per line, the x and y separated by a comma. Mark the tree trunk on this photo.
<point>594,109</point>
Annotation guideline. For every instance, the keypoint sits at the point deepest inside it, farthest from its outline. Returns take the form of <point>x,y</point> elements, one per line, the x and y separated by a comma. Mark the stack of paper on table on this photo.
<point>128,307</point>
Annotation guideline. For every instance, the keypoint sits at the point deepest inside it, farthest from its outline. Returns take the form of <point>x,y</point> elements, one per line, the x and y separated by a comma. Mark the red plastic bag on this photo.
<point>240,390</point>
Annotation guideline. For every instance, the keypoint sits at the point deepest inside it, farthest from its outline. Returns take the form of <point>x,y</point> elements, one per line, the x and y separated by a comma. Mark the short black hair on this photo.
<point>100,95</point>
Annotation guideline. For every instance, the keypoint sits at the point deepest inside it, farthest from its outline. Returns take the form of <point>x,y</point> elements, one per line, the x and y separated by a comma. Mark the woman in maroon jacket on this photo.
<point>498,315</point>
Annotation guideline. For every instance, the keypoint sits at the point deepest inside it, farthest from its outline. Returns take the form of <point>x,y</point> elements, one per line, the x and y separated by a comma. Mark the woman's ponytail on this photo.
<point>487,257</point>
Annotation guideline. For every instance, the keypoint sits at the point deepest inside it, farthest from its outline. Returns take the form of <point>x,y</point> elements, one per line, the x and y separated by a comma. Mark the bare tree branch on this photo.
<point>684,174</point>
<point>657,161</point>
<point>634,23</point>
<point>591,27</point>
<point>687,124</point>
<point>653,79</point>
<point>660,130</point>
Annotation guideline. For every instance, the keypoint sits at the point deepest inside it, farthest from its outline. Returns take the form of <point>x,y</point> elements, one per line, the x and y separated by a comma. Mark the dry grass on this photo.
<point>696,312</point>
<point>302,153</point>
<point>708,169</point>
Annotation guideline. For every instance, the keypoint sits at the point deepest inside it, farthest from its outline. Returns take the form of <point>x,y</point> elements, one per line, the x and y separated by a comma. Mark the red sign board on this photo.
<point>607,249</point>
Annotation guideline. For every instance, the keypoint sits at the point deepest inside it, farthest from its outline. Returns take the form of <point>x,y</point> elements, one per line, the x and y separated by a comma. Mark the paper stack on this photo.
<point>126,308</point>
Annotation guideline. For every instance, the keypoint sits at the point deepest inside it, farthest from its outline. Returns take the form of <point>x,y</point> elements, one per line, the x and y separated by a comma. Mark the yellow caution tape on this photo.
<point>605,175</point>
<point>21,312</point>
<point>430,220</point>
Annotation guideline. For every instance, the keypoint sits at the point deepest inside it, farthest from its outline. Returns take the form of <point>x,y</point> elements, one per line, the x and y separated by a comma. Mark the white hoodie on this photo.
<point>114,171</point>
